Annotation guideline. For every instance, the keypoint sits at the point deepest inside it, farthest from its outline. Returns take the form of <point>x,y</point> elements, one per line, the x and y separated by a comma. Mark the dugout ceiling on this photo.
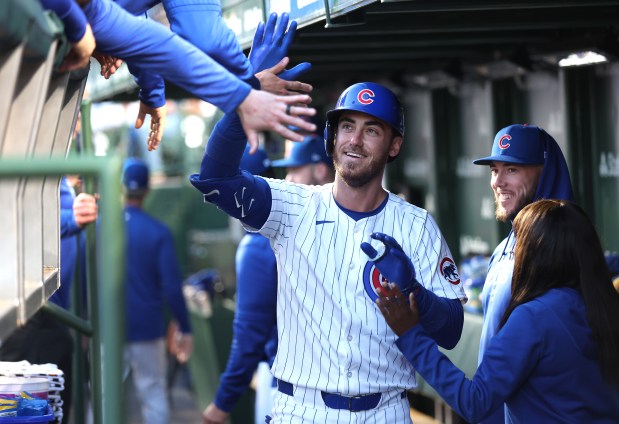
<point>453,38</point>
<point>425,42</point>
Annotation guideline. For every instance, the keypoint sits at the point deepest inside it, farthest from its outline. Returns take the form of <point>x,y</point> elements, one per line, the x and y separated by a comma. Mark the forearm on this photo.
<point>242,196</point>
<point>473,400</point>
<point>441,318</point>
<point>156,49</point>
<point>224,149</point>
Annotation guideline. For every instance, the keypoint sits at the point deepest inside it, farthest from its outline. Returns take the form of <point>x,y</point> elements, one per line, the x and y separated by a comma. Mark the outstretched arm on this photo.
<point>508,363</point>
<point>154,48</point>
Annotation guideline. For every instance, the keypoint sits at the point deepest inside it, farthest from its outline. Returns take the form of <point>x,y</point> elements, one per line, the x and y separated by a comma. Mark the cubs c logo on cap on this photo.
<point>449,271</point>
<point>365,96</point>
<point>503,141</point>
<point>372,279</point>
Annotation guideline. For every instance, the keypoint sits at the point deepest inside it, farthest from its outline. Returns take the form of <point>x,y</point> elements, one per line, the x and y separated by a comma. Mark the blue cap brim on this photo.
<point>503,158</point>
<point>288,163</point>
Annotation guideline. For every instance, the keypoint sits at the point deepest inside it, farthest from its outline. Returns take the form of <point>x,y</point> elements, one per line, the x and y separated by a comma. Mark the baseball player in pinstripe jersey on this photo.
<point>337,360</point>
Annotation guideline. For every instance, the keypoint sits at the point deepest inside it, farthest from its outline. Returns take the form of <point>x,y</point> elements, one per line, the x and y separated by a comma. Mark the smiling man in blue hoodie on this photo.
<point>526,164</point>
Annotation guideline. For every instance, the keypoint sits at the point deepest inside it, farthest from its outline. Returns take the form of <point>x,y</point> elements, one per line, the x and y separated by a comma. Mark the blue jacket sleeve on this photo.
<point>254,320</point>
<point>240,195</point>
<point>152,86</point>
<point>71,16</point>
<point>441,318</point>
<point>68,226</point>
<point>172,281</point>
<point>154,48</point>
<point>508,363</point>
<point>137,7</point>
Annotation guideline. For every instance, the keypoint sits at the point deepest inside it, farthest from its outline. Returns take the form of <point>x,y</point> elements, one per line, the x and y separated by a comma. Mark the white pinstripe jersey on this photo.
<point>332,336</point>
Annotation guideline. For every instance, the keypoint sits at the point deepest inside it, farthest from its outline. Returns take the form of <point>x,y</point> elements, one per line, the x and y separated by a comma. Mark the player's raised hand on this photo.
<point>262,111</point>
<point>157,123</point>
<point>271,42</point>
<point>392,262</point>
<point>278,80</point>
<point>401,314</point>
<point>109,65</point>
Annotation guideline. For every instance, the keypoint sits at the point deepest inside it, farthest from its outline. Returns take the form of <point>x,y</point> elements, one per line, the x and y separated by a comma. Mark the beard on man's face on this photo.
<point>357,175</point>
<point>504,215</point>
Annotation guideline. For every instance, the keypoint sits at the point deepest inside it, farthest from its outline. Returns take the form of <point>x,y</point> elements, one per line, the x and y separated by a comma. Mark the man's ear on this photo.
<point>396,144</point>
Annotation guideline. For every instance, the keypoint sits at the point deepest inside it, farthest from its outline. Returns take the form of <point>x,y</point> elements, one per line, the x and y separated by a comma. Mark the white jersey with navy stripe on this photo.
<point>332,336</point>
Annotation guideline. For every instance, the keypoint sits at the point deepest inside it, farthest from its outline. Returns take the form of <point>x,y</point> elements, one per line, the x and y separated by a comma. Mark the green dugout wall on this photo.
<point>449,127</point>
<point>592,110</point>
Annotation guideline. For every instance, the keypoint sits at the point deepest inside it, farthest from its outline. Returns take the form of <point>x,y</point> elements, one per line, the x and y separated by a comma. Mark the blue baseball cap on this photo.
<point>257,163</point>
<point>519,144</point>
<point>135,174</point>
<point>310,150</point>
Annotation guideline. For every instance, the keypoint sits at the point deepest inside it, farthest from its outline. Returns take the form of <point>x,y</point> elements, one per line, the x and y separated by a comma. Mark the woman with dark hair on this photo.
<point>555,357</point>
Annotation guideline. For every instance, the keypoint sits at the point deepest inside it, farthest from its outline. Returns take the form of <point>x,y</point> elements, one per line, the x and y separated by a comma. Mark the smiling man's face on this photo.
<point>362,147</point>
<point>514,187</point>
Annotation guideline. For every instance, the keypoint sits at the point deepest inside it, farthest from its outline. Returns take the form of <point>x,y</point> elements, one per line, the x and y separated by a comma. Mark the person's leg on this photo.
<point>148,368</point>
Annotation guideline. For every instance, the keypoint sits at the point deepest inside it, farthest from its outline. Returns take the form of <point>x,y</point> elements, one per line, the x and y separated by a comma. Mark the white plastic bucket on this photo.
<point>13,386</point>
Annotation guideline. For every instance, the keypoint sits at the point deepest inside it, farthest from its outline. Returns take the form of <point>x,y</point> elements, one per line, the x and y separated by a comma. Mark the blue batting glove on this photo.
<point>271,42</point>
<point>294,73</point>
<point>392,262</point>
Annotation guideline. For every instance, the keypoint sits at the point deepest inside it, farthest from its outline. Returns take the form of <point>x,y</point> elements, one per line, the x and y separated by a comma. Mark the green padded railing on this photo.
<point>105,292</point>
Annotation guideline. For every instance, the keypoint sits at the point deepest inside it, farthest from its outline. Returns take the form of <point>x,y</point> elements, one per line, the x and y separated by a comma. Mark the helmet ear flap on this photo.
<point>329,138</point>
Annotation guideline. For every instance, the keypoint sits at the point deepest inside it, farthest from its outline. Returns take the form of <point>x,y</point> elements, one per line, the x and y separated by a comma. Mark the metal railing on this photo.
<point>38,112</point>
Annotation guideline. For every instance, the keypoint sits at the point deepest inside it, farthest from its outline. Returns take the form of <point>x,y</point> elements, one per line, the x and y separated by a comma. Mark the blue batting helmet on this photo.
<point>370,98</point>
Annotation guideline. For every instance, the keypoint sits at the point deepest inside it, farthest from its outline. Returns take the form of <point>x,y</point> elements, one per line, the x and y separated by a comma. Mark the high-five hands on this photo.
<point>392,262</point>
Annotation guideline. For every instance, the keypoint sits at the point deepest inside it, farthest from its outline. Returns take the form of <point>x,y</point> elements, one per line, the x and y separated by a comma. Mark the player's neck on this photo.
<point>136,203</point>
<point>359,199</point>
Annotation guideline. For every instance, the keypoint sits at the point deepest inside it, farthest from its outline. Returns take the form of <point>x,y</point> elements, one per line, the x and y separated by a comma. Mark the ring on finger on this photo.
<point>288,107</point>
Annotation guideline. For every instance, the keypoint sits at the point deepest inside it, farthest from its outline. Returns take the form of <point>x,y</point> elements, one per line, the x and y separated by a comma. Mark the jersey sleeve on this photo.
<point>508,362</point>
<point>435,267</point>
<point>287,203</point>
<point>71,16</point>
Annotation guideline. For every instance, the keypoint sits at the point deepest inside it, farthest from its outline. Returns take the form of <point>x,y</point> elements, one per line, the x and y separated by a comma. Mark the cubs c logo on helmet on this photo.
<point>449,271</point>
<point>503,141</point>
<point>372,279</point>
<point>365,96</point>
